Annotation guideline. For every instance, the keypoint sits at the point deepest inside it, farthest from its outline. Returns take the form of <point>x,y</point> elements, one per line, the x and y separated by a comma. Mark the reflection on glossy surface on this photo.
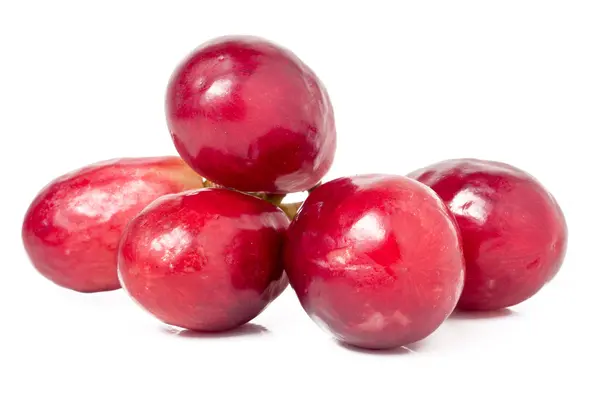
<point>514,233</point>
<point>369,228</point>
<point>396,351</point>
<point>461,315</point>
<point>469,204</point>
<point>72,228</point>
<point>208,260</point>
<point>250,115</point>
<point>375,259</point>
<point>219,88</point>
<point>171,243</point>
<point>249,329</point>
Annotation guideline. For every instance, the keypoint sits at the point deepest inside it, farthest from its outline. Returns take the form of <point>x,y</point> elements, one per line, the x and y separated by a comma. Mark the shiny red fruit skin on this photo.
<point>206,260</point>
<point>375,259</point>
<point>248,114</point>
<point>514,233</point>
<point>72,229</point>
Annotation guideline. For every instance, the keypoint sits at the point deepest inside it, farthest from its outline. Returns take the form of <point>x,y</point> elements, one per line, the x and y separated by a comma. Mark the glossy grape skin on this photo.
<point>206,260</point>
<point>72,229</point>
<point>513,230</point>
<point>375,259</point>
<point>248,114</point>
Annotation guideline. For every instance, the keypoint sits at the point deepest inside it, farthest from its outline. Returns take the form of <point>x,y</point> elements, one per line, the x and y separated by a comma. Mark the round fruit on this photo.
<point>72,228</point>
<point>375,259</point>
<point>514,233</point>
<point>207,260</point>
<point>249,115</point>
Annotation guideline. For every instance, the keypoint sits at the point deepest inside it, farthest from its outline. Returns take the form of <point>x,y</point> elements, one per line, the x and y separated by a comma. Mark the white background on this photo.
<point>412,83</point>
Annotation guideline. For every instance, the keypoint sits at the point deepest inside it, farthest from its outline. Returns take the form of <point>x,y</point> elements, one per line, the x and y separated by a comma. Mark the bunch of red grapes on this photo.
<point>204,242</point>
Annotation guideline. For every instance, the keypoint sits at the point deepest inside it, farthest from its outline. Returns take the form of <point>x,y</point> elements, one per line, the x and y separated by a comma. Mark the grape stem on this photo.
<point>290,209</point>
